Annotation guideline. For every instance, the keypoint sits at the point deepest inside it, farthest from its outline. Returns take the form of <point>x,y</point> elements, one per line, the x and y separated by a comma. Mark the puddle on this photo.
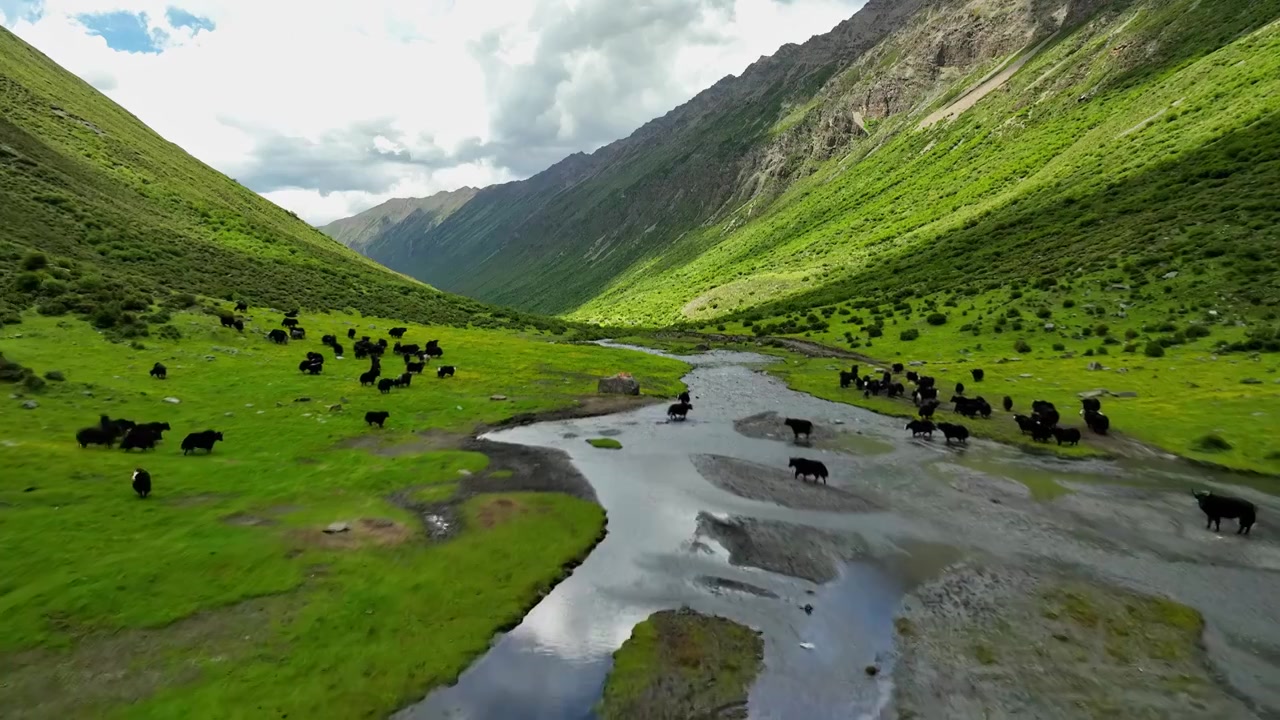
<point>553,665</point>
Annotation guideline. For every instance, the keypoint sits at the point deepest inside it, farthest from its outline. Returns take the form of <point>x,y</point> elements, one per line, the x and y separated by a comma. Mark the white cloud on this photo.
<point>330,111</point>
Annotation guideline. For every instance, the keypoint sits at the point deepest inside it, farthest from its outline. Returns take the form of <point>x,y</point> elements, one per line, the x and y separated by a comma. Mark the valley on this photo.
<point>1038,202</point>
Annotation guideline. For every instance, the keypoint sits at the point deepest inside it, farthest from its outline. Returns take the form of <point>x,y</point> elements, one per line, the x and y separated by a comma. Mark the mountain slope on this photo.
<point>101,216</point>
<point>358,231</point>
<point>911,124</point>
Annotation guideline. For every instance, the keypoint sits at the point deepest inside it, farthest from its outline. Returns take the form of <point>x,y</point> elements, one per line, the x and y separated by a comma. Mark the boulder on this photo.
<point>335,408</point>
<point>1093,393</point>
<point>338,527</point>
<point>1170,275</point>
<point>1125,394</point>
<point>1095,365</point>
<point>30,405</point>
<point>620,384</point>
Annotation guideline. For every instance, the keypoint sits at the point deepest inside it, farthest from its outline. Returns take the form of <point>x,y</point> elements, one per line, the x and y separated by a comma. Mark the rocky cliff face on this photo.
<point>418,214</point>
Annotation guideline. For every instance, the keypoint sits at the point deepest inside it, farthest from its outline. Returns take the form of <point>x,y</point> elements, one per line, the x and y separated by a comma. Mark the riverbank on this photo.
<point>1143,425</point>
<point>223,587</point>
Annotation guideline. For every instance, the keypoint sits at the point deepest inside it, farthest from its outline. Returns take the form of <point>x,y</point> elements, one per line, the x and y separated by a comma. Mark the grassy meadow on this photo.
<point>220,596</point>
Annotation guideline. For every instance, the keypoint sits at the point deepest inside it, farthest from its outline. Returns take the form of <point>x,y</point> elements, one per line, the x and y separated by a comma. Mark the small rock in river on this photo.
<point>872,670</point>
<point>808,609</point>
<point>806,646</point>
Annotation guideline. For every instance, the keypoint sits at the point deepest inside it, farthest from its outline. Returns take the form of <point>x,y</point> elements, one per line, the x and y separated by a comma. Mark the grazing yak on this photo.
<point>289,322</point>
<point>278,337</point>
<point>684,398</point>
<point>913,376</point>
<point>1097,422</point>
<point>376,418</point>
<point>227,320</point>
<point>959,388</point>
<point>156,428</point>
<point>337,350</point>
<point>809,468</point>
<point>238,325</point>
<point>445,371</point>
<point>297,333</point>
<point>351,333</point>
<point>328,339</point>
<point>415,367</point>
<point>920,427</point>
<point>1216,507</point>
<point>385,385</point>
<point>242,306</point>
<point>139,438</point>
<point>925,381</point>
<point>141,482</point>
<point>291,314</point>
<point>432,349</point>
<point>898,368</point>
<point>897,390</point>
<point>977,374</point>
<point>679,411</point>
<point>97,436</point>
<point>397,332</point>
<point>846,379</point>
<point>1042,433</point>
<point>799,427</point>
<point>927,409</point>
<point>370,377</point>
<point>404,380</point>
<point>1008,403</point>
<point>954,432</point>
<point>200,441</point>
<point>158,371</point>
<point>1069,436</point>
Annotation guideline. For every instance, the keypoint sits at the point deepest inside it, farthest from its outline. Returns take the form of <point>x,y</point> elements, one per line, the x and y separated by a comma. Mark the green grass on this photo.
<point>682,664</point>
<point>605,443</point>
<point>218,594</point>
<point>122,218</point>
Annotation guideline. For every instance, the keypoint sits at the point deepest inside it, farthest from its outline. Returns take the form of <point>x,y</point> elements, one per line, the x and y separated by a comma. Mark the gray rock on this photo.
<point>87,393</point>
<point>618,385</point>
<point>498,398</point>
<point>1049,327</point>
<point>335,408</point>
<point>228,414</point>
<point>210,358</point>
<point>1093,393</point>
<point>30,405</point>
<point>338,527</point>
<point>55,376</point>
<point>916,363</point>
<point>1251,381</point>
<point>1095,365</point>
<point>1025,375</point>
<point>1170,275</point>
<point>172,400</point>
<point>1125,394</point>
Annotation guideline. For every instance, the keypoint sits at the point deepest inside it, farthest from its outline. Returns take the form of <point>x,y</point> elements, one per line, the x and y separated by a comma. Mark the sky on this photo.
<point>331,108</point>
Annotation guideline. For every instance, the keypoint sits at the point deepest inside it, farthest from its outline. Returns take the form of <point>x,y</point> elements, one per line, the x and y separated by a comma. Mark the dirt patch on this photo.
<point>518,468</point>
<point>1004,642</point>
<point>798,551</point>
<point>247,520</point>
<point>777,485</point>
<point>37,684</point>
<point>364,532</point>
<point>588,406</point>
<point>422,442</point>
<point>498,511</point>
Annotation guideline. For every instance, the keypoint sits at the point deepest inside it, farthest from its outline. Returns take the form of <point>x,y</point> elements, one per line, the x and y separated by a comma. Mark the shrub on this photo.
<point>936,319</point>
<point>1015,294</point>
<point>1197,331</point>
<point>1059,347</point>
<point>1211,444</point>
<point>169,332</point>
<point>1088,353</point>
<point>1102,351</point>
<point>1154,349</point>
<point>1131,348</point>
<point>1044,313</point>
<point>874,331</point>
<point>33,261</point>
<point>909,335</point>
<point>1130,334</point>
<point>27,282</point>
<point>1022,347</point>
<point>1068,303</point>
<point>55,376</point>
<point>33,382</point>
<point>720,327</point>
<point>1101,330</point>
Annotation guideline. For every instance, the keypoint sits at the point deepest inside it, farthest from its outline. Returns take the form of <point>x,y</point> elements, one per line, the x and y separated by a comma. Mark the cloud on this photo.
<point>332,112</point>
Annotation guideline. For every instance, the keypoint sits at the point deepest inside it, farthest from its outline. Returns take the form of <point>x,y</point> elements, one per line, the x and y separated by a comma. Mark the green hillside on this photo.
<point>423,214</point>
<point>123,218</point>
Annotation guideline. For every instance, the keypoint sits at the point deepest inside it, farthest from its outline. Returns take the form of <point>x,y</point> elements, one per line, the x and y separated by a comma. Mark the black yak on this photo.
<point>807,468</point>
<point>142,482</point>
<point>1216,507</point>
<point>799,427</point>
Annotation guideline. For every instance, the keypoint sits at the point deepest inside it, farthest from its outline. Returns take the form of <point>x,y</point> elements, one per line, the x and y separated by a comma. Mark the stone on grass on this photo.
<point>1251,381</point>
<point>338,527</point>
<point>498,398</point>
<point>620,384</point>
<point>302,399</point>
<point>55,376</point>
<point>1095,366</point>
<point>30,405</point>
<point>172,400</point>
<point>1125,394</point>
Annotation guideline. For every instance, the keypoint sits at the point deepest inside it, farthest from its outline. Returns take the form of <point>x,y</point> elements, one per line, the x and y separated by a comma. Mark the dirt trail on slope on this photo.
<point>972,97</point>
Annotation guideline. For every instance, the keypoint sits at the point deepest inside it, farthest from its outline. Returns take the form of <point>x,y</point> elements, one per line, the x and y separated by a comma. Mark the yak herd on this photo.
<point>1043,425</point>
<point>130,435</point>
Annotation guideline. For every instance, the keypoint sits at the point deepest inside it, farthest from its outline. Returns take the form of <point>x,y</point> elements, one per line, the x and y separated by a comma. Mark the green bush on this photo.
<point>1022,347</point>
<point>169,332</point>
<point>1068,303</point>
<point>936,319</point>
<point>1088,353</point>
<point>34,261</point>
<point>1211,444</point>
<point>1130,334</point>
<point>1154,349</point>
<point>1044,313</point>
<point>55,376</point>
<point>27,282</point>
<point>1197,331</point>
<point>1059,347</point>
<point>874,331</point>
<point>1131,348</point>
<point>909,335</point>
<point>1101,330</point>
